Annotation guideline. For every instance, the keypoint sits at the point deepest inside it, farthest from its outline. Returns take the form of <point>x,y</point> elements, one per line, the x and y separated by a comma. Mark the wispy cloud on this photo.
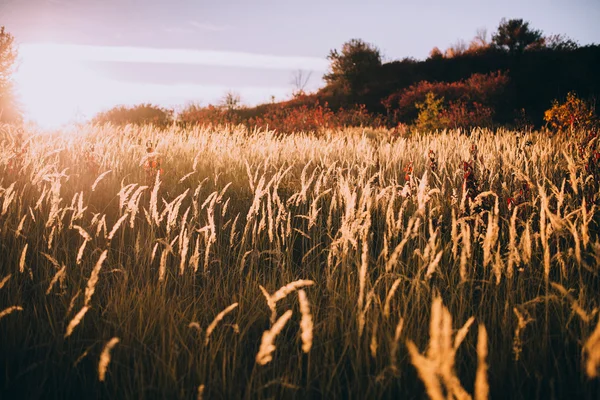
<point>172,56</point>
<point>207,26</point>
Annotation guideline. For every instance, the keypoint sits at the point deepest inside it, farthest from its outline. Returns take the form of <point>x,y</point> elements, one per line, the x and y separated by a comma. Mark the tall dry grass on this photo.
<point>101,245</point>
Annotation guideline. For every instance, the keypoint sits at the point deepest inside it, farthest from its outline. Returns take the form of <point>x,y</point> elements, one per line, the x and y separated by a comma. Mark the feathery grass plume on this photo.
<point>4,280</point>
<point>200,394</point>
<point>395,343</point>
<point>427,372</point>
<point>482,388</point>
<point>99,178</point>
<point>270,303</point>
<point>9,196</point>
<point>525,244</point>
<point>20,226</point>
<point>76,320</point>
<point>282,294</point>
<point>522,322</point>
<point>388,298</point>
<point>585,316</point>
<point>362,314</point>
<point>195,326</point>
<point>9,310</point>
<point>465,254</point>
<point>80,251</point>
<point>22,259</point>
<point>216,321</point>
<point>513,250</point>
<point>364,263</point>
<point>83,355</point>
<point>60,275</point>
<point>113,231</point>
<point>105,358</point>
<point>154,200</point>
<point>184,245</point>
<point>91,285</point>
<point>437,368</point>
<point>591,353</point>
<point>414,223</point>
<point>306,323</point>
<point>265,352</point>
<point>72,302</point>
<point>162,269</point>
<point>373,345</point>
<point>491,234</point>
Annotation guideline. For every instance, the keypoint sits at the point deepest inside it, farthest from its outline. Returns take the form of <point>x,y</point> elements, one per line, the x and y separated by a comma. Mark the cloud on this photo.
<point>129,54</point>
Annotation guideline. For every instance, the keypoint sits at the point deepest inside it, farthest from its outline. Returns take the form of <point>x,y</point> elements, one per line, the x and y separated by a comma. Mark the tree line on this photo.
<point>508,78</point>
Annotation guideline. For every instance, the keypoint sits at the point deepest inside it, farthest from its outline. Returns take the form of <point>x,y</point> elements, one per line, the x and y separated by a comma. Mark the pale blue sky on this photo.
<point>305,30</point>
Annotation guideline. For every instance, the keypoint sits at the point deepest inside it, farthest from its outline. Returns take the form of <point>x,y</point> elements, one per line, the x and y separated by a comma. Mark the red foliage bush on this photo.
<point>288,117</point>
<point>477,93</point>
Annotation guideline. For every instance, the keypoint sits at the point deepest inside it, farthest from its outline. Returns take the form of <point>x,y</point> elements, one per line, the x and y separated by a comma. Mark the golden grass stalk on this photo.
<point>200,394</point>
<point>20,227</point>
<point>306,323</point>
<point>395,343</point>
<point>4,280</point>
<point>427,372</point>
<point>60,275</point>
<point>373,345</point>
<point>76,320</point>
<point>265,352</point>
<point>482,388</point>
<point>585,316</point>
<point>388,298</point>
<point>195,325</point>
<point>22,259</point>
<point>105,358</point>
<point>522,322</point>
<point>216,321</point>
<point>115,228</point>
<point>99,178</point>
<point>591,353</point>
<point>437,367</point>
<point>9,310</point>
<point>282,294</point>
<point>91,285</point>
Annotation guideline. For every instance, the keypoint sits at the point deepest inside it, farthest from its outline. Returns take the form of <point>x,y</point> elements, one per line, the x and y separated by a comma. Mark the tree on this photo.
<point>299,81</point>
<point>231,101</point>
<point>354,67</point>
<point>515,35</point>
<point>560,42</point>
<point>8,55</point>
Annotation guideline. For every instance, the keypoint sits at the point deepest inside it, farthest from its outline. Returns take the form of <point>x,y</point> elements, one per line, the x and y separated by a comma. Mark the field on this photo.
<point>219,263</point>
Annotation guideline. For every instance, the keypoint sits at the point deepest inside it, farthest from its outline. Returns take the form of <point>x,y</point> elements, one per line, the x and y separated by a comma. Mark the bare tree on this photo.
<point>231,101</point>
<point>300,80</point>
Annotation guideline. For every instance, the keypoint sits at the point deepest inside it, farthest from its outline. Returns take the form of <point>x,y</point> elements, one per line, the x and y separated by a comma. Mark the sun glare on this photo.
<point>55,87</point>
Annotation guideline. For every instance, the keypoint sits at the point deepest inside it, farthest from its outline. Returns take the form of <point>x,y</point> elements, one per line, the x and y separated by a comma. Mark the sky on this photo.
<point>78,57</point>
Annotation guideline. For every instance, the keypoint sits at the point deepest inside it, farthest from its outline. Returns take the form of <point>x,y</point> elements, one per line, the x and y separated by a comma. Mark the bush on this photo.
<point>482,89</point>
<point>209,115</point>
<point>431,115</point>
<point>143,114</point>
<point>574,113</point>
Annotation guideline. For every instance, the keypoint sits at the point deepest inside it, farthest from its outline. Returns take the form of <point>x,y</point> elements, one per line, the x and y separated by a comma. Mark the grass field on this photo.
<point>408,272</point>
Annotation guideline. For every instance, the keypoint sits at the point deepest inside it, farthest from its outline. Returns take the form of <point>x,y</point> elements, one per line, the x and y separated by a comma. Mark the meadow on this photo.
<point>219,263</point>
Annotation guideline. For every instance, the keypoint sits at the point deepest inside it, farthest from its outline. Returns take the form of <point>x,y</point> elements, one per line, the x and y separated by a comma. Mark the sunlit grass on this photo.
<point>259,265</point>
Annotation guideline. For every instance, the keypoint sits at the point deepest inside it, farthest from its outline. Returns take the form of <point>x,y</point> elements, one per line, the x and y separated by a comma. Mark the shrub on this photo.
<point>210,115</point>
<point>143,114</point>
<point>574,113</point>
<point>484,89</point>
<point>460,114</point>
<point>431,115</point>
